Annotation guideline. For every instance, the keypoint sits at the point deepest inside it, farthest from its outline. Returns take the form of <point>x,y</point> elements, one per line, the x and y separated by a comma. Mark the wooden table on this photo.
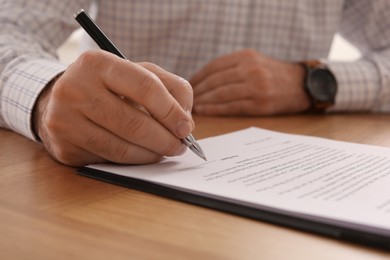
<point>47,211</point>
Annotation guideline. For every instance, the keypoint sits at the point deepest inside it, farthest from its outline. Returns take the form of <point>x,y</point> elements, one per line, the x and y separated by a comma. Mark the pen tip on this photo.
<point>199,150</point>
<point>190,142</point>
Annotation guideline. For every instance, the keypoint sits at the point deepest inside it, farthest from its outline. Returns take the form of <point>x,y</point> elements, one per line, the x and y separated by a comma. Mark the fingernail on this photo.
<point>184,128</point>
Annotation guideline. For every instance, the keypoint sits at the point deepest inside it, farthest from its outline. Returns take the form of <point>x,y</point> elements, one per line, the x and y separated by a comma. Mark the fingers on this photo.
<point>221,78</point>
<point>216,65</point>
<point>178,87</point>
<point>235,107</point>
<point>94,144</point>
<point>232,99</point>
<point>108,146</point>
<point>131,124</point>
<point>222,94</point>
<point>145,88</point>
<point>86,119</point>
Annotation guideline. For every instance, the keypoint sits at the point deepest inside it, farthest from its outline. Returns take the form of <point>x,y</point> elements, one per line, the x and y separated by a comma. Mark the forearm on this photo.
<point>21,90</point>
<point>363,85</point>
<point>30,34</point>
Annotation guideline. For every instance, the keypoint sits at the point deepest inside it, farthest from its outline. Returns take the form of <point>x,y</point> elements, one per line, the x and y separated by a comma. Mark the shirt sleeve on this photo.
<point>364,85</point>
<point>30,33</point>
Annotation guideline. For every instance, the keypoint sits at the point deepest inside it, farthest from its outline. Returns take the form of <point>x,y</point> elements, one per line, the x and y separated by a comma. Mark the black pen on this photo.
<point>106,44</point>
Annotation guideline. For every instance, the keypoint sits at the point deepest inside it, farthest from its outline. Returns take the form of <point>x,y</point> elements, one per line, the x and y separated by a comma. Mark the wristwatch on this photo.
<point>320,85</point>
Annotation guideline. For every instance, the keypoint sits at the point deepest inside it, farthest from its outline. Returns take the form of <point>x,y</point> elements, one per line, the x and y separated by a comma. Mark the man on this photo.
<point>242,57</point>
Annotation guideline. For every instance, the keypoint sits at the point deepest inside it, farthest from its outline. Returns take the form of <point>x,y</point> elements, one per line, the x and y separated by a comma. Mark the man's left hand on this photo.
<point>249,83</point>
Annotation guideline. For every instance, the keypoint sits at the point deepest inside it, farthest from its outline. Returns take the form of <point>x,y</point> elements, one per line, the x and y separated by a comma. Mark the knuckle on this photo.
<point>102,144</point>
<point>254,70</point>
<point>183,88</point>
<point>265,92</point>
<point>54,126</point>
<point>96,139</point>
<point>89,58</point>
<point>65,90</point>
<point>249,53</point>
<point>100,104</point>
<point>149,84</point>
<point>60,90</point>
<point>166,114</point>
<point>91,61</point>
<point>149,65</point>
<point>136,128</point>
<point>62,155</point>
<point>122,153</point>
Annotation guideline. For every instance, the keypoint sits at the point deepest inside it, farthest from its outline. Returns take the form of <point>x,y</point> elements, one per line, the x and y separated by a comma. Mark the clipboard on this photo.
<point>360,234</point>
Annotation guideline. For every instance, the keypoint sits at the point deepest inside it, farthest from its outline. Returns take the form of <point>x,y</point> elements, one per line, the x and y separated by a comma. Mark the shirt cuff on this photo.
<point>21,90</point>
<point>358,85</point>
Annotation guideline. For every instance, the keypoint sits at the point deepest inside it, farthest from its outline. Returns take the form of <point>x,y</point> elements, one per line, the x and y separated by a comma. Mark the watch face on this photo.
<point>322,85</point>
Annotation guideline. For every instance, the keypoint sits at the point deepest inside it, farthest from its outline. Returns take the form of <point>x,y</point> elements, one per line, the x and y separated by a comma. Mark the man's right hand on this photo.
<point>104,108</point>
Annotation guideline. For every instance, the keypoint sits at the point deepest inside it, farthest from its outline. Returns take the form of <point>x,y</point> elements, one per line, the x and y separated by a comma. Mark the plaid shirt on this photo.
<point>183,35</point>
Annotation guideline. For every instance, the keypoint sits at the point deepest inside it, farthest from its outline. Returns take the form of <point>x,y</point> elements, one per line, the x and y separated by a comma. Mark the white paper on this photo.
<point>301,174</point>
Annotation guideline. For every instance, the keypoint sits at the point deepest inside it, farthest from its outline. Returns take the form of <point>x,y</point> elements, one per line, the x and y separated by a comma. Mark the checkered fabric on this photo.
<point>183,35</point>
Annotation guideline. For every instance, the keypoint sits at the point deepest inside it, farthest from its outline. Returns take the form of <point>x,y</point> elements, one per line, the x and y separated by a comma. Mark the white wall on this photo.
<point>342,50</point>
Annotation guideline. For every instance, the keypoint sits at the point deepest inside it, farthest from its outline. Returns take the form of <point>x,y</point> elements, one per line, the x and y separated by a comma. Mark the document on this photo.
<point>337,184</point>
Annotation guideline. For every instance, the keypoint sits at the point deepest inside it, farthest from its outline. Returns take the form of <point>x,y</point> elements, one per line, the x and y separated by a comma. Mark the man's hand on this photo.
<point>249,83</point>
<point>104,108</point>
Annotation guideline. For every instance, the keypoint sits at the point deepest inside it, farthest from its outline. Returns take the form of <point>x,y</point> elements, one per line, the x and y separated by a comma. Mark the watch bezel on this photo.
<point>325,95</point>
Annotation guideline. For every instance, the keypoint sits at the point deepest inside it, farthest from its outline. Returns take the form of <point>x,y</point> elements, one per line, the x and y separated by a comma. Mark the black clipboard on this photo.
<point>364,235</point>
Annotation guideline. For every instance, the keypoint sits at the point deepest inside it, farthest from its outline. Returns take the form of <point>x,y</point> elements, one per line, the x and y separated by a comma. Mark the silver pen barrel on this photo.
<point>191,143</point>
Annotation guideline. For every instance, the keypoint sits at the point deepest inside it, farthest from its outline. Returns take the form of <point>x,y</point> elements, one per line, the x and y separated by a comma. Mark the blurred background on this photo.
<point>341,49</point>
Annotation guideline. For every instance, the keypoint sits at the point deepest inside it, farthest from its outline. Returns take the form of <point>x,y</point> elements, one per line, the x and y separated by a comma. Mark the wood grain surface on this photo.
<point>47,211</point>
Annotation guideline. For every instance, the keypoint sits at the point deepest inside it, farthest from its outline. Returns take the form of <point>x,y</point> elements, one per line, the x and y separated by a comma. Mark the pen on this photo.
<point>106,44</point>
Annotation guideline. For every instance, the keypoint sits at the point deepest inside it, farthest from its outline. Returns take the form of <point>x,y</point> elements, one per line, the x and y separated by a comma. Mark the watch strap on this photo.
<point>316,106</point>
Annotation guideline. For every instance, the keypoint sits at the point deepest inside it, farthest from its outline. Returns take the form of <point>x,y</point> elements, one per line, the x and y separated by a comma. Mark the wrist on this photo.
<point>320,85</point>
<point>40,107</point>
<point>302,101</point>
